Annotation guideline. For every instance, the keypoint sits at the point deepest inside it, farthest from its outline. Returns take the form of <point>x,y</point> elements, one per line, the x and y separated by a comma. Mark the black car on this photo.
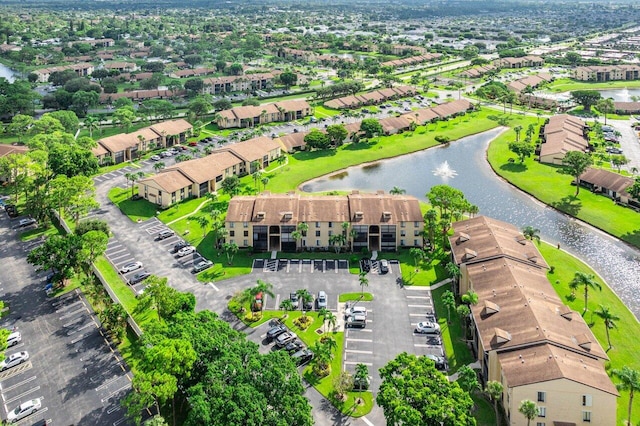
<point>439,361</point>
<point>179,245</point>
<point>275,331</point>
<point>139,277</point>
<point>302,357</point>
<point>293,347</point>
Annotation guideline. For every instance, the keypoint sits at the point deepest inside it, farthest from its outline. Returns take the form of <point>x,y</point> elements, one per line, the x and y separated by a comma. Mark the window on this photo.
<point>230,224</point>
<point>415,243</point>
<point>232,233</point>
<point>403,233</point>
<point>416,233</point>
<point>416,224</point>
<point>586,416</point>
<point>540,424</point>
<point>246,233</point>
<point>542,411</point>
<point>402,242</point>
<point>330,224</point>
<point>317,243</point>
<point>542,396</point>
<point>586,400</point>
<point>403,224</point>
<point>245,243</point>
<point>330,233</point>
<point>317,233</point>
<point>317,224</point>
<point>245,224</point>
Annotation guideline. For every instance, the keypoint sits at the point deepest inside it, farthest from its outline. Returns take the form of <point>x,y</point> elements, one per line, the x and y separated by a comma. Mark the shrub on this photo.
<point>303,322</point>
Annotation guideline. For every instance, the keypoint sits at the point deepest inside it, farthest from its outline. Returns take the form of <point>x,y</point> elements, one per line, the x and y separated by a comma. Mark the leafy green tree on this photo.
<point>418,255</point>
<point>587,281</point>
<point>470,298</point>
<point>495,389</point>
<point>222,104</point>
<point>522,149</point>
<point>166,300</point>
<point>68,119</point>
<point>618,161</point>
<point>468,379</point>
<point>629,381</point>
<point>60,253</point>
<point>114,318</point>
<point>20,125</point>
<point>124,117</point>
<point>609,319</point>
<point>576,163</point>
<point>46,124</point>
<point>337,133</point>
<point>634,190</point>
<point>529,410</point>
<point>342,383</point>
<point>231,185</point>
<point>586,98</point>
<point>371,127</point>
<point>83,100</point>
<point>154,387</point>
<point>449,301</point>
<point>316,139</point>
<point>288,79</point>
<point>414,393</point>
<point>94,244</point>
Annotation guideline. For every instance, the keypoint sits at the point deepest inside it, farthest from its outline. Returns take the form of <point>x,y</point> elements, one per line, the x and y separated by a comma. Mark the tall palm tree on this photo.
<point>581,279</point>
<point>364,282</point>
<point>262,287</point>
<point>630,381</point>
<point>331,319</point>
<point>494,390</point>
<point>529,410</point>
<point>159,166</point>
<point>470,298</point>
<point>361,376</point>
<point>609,319</point>
<point>517,129</point>
<point>91,122</point>
<point>397,191</point>
<point>531,233</point>
<point>305,298</point>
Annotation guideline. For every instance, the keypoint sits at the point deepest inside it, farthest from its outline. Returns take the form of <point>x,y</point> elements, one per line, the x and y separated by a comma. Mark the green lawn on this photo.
<point>136,210</point>
<point>347,297</point>
<point>568,84</point>
<point>320,111</point>
<point>300,170</point>
<point>546,183</point>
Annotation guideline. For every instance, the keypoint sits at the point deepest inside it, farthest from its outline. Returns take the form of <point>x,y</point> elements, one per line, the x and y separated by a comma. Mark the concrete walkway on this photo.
<point>473,366</point>
<point>190,214</point>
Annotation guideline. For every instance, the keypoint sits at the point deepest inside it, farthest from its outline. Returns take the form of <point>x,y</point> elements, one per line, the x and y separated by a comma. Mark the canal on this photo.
<point>469,171</point>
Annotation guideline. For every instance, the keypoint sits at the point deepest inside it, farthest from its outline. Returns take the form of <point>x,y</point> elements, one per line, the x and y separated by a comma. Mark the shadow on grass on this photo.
<point>514,167</point>
<point>359,146</point>
<point>312,155</point>
<point>311,378</point>
<point>632,237</point>
<point>569,204</point>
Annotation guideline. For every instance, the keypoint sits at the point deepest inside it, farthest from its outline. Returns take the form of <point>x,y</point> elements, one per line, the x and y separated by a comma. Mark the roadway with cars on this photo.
<point>72,368</point>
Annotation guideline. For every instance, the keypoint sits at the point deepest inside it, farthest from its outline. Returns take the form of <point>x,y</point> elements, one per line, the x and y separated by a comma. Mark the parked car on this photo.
<point>427,327</point>
<point>293,347</point>
<point>285,338</point>
<point>14,338</point>
<point>202,265</point>
<point>26,222</point>
<point>23,410</point>
<point>130,267</point>
<point>13,360</point>
<point>163,235</point>
<point>179,245</point>
<point>184,251</point>
<point>355,310</point>
<point>275,331</point>
<point>307,304</point>
<point>295,301</point>
<point>155,158</point>
<point>361,383</point>
<point>302,357</point>
<point>384,266</point>
<point>321,301</point>
<point>139,277</point>
<point>440,362</point>
<point>356,321</point>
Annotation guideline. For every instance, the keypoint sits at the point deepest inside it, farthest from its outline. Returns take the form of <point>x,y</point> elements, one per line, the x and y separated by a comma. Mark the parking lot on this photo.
<point>71,368</point>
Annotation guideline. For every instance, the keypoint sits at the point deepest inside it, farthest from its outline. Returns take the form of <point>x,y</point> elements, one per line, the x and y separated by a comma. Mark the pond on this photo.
<point>7,73</point>
<point>469,171</point>
<point>621,95</point>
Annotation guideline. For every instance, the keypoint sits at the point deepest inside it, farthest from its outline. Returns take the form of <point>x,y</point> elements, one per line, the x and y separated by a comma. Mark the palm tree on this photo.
<point>305,298</point>
<point>454,271</point>
<point>529,410</point>
<point>203,222</point>
<point>361,376</point>
<point>449,301</point>
<point>286,305</point>
<point>517,129</point>
<point>265,181</point>
<point>159,166</point>
<point>330,319</point>
<point>431,218</point>
<point>364,282</point>
<point>630,381</point>
<point>264,288</point>
<point>531,233</point>
<point>609,319</point>
<point>586,280</point>
<point>397,191</point>
<point>91,122</point>
<point>470,298</point>
<point>418,255</point>
<point>494,390</point>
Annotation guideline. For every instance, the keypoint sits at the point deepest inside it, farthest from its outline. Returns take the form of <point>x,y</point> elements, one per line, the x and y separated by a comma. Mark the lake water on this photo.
<point>621,95</point>
<point>7,73</point>
<point>618,263</point>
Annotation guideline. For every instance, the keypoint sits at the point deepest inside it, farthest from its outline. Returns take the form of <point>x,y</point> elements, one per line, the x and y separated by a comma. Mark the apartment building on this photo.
<point>525,61</point>
<point>562,133</point>
<point>607,73</point>
<point>83,69</point>
<point>377,221</point>
<point>524,336</point>
<point>249,115</point>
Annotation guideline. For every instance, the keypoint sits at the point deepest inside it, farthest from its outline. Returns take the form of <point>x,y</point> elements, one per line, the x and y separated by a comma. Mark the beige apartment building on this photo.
<point>250,116</point>
<point>268,222</point>
<point>523,334</point>
<point>607,72</point>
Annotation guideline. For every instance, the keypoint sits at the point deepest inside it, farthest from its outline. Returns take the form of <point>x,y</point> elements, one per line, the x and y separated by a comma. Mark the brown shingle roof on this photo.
<point>608,180</point>
<point>12,149</point>
<point>491,238</point>
<point>293,141</point>
<point>169,181</point>
<point>252,149</point>
<point>207,168</point>
<point>172,127</point>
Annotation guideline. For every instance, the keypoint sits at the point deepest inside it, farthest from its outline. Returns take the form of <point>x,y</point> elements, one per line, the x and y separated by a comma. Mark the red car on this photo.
<point>257,304</point>
<point>194,143</point>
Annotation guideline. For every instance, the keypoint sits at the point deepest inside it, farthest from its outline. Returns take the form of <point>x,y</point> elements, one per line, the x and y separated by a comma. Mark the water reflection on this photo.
<point>615,261</point>
<point>621,95</point>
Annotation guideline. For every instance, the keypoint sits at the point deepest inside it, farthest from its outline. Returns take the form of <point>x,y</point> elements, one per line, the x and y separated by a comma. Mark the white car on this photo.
<point>23,410</point>
<point>427,327</point>
<point>155,158</point>
<point>355,310</point>
<point>26,222</point>
<point>13,360</point>
<point>185,251</point>
<point>130,267</point>
<point>14,338</point>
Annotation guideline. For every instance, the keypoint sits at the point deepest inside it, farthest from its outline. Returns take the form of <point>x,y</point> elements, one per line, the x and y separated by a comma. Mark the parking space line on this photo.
<point>68,306</point>
<point>213,286</point>
<point>356,363</point>
<point>424,345</point>
<point>23,394</point>
<point>116,423</point>
<point>73,313</point>
<point>419,306</point>
<point>12,387</point>
<point>355,351</point>
<point>416,315</point>
<point>113,410</point>
<point>112,254</point>
<point>76,340</point>
<point>418,297</point>
<point>350,339</point>
<point>107,383</point>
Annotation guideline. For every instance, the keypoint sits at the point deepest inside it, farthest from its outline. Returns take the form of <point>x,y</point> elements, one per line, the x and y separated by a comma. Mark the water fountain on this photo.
<point>445,171</point>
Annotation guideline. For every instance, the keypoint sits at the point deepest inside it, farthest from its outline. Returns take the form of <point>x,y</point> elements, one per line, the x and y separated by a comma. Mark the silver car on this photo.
<point>13,360</point>
<point>130,267</point>
<point>184,251</point>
